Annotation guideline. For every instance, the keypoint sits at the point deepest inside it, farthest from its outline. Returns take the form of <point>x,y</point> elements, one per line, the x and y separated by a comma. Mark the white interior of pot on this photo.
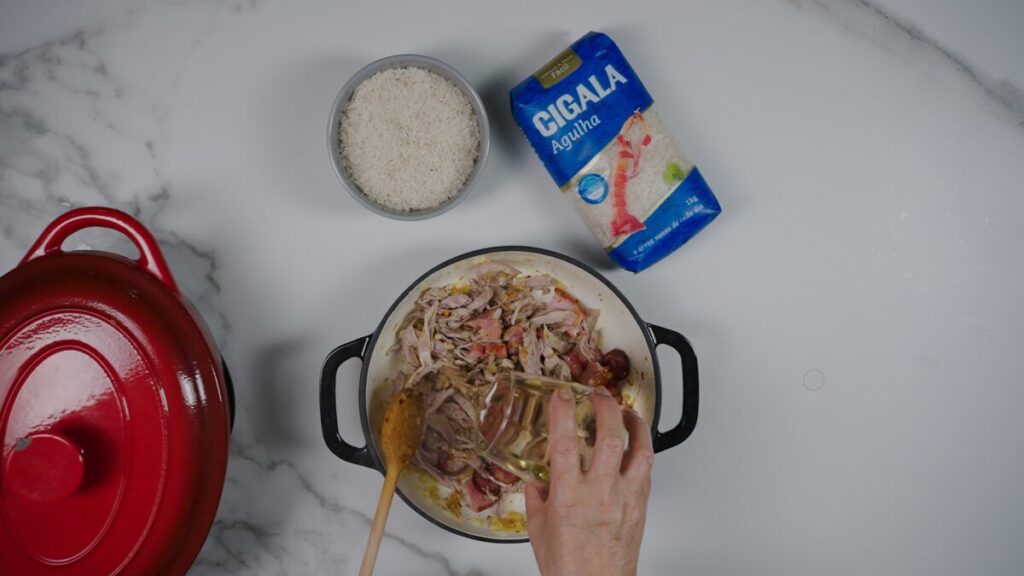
<point>618,329</point>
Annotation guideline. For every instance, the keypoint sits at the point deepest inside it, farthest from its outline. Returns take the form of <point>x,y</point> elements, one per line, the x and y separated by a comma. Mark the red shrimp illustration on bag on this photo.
<point>631,142</point>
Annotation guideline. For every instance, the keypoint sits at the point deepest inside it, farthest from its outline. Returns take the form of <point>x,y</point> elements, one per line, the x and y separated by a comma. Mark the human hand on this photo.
<point>591,523</point>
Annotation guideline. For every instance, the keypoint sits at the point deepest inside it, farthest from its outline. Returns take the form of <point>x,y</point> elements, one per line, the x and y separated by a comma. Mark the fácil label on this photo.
<point>563,64</point>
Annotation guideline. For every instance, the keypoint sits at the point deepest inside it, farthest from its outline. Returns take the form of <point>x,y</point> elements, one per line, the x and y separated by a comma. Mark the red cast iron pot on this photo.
<point>116,410</point>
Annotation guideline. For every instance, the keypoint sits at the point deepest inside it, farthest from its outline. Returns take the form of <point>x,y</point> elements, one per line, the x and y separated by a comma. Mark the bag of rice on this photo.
<point>593,124</point>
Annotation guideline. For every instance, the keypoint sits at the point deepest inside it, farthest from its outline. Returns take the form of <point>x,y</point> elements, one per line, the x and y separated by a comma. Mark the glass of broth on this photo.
<point>513,424</point>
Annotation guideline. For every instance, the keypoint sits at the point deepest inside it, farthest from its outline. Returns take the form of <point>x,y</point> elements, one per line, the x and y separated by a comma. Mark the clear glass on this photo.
<point>513,423</point>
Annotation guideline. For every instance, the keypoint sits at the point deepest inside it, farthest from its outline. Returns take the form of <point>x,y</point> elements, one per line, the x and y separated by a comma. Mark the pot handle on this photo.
<point>682,430</point>
<point>67,224</point>
<point>329,403</point>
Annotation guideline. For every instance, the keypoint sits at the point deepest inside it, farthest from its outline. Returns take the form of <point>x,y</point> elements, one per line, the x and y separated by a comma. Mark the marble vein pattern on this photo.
<point>82,122</point>
<point>903,39</point>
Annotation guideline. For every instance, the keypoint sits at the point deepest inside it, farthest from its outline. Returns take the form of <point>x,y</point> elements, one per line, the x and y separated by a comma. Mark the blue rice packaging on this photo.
<point>593,124</point>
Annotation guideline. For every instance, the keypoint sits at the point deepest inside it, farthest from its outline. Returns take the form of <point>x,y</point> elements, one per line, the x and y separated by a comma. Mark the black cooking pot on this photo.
<point>618,322</point>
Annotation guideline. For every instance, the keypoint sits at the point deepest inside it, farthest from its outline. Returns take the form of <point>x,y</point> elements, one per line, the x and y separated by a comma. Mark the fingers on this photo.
<point>637,463</point>
<point>534,499</point>
<point>565,456</point>
<point>610,443</point>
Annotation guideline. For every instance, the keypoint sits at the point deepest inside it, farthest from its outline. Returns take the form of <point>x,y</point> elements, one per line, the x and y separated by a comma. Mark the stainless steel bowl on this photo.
<point>407,61</point>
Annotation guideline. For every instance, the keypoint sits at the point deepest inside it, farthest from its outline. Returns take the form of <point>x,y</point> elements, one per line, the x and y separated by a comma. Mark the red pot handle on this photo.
<point>64,226</point>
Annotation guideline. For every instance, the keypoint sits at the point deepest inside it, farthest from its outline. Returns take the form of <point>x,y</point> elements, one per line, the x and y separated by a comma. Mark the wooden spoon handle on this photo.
<point>379,519</point>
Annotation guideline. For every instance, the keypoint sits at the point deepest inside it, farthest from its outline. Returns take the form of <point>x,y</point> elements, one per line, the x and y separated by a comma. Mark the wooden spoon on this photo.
<point>400,437</point>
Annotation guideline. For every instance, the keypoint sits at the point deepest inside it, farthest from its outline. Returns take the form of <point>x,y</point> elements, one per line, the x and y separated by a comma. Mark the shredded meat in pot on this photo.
<point>456,341</point>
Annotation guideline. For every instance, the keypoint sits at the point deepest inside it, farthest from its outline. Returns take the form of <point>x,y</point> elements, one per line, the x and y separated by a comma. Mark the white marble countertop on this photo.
<point>853,308</point>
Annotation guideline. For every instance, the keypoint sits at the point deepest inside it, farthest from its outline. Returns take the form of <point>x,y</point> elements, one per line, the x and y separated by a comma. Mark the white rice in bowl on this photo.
<point>409,139</point>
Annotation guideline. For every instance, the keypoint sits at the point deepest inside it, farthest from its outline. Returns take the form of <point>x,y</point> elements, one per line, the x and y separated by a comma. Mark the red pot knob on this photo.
<point>45,467</point>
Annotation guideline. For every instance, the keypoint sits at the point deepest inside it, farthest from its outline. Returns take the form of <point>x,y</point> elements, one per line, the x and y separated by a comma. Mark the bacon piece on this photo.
<point>492,420</point>
<point>514,337</point>
<point>486,485</point>
<point>595,375</point>
<point>488,324</point>
<point>479,499</point>
<point>576,363</point>
<point>485,349</point>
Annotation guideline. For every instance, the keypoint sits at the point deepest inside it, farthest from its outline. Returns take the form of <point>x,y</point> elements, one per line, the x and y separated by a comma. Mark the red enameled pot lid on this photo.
<point>113,411</point>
